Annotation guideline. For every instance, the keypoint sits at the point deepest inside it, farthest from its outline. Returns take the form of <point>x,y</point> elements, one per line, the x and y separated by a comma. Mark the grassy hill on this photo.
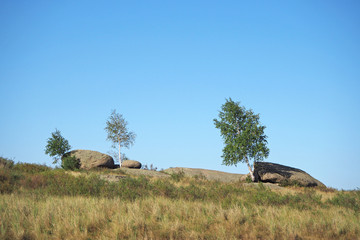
<point>37,202</point>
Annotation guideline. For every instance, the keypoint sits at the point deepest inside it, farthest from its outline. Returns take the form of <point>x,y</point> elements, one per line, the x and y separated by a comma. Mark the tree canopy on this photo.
<point>243,135</point>
<point>118,133</point>
<point>57,146</point>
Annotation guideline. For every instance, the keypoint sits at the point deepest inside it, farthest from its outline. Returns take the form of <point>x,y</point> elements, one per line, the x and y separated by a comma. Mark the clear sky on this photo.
<point>168,66</point>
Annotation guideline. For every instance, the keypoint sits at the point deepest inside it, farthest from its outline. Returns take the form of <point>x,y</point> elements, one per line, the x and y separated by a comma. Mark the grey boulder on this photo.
<point>92,159</point>
<point>276,173</point>
<point>131,164</point>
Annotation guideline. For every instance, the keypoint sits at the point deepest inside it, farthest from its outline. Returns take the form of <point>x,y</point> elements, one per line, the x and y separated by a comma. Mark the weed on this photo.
<point>151,168</point>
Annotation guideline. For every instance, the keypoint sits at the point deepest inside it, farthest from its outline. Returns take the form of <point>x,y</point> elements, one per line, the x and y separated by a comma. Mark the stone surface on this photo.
<point>208,174</point>
<point>141,172</point>
<point>276,173</point>
<point>92,159</point>
<point>131,164</point>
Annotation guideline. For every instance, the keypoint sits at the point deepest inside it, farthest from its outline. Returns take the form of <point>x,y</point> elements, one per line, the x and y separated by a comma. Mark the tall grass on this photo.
<point>163,218</point>
<point>37,202</point>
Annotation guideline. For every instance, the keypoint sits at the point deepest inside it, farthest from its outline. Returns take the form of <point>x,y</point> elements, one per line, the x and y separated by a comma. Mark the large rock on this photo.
<point>276,173</point>
<point>131,164</point>
<point>92,159</point>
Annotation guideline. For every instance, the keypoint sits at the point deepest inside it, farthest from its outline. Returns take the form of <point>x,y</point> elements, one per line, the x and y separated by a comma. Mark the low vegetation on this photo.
<point>38,202</point>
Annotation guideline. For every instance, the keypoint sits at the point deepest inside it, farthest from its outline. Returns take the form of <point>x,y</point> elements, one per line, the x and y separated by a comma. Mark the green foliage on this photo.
<point>243,134</point>
<point>117,132</point>
<point>57,146</point>
<point>248,179</point>
<point>348,200</point>
<point>70,163</point>
<point>6,163</point>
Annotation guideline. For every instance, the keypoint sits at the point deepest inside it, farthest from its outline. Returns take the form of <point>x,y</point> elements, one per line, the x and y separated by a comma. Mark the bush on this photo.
<point>34,181</point>
<point>348,200</point>
<point>6,163</point>
<point>30,168</point>
<point>8,180</point>
<point>70,163</point>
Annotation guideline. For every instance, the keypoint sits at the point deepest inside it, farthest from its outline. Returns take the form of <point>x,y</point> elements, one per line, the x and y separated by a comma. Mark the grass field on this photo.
<point>37,202</point>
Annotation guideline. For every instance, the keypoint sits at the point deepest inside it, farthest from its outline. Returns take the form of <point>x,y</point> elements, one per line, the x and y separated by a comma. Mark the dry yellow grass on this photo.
<point>29,217</point>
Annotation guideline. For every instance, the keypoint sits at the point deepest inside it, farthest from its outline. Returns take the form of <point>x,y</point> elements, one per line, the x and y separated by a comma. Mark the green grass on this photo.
<point>37,202</point>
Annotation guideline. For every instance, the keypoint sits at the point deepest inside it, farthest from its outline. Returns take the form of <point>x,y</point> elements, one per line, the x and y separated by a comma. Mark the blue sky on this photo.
<point>169,66</point>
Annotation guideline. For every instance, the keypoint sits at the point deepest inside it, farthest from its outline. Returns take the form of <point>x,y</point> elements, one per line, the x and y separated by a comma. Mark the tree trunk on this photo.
<point>119,154</point>
<point>252,175</point>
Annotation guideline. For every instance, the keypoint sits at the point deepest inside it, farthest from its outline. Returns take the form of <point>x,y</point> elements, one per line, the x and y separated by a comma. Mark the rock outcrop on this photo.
<point>131,164</point>
<point>92,159</point>
<point>276,173</point>
<point>207,174</point>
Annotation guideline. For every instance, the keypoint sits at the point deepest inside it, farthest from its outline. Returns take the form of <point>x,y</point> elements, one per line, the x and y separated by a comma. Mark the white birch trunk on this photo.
<point>119,154</point>
<point>250,170</point>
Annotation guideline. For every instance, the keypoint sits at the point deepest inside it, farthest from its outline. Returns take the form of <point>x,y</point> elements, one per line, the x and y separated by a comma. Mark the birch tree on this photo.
<point>243,136</point>
<point>57,146</point>
<point>117,132</point>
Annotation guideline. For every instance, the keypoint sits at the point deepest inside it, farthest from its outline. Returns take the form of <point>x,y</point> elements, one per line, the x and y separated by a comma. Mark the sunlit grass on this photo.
<point>37,202</point>
<point>80,217</point>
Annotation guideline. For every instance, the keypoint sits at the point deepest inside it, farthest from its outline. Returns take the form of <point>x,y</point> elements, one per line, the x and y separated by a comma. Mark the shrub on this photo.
<point>7,181</point>
<point>6,163</point>
<point>34,181</point>
<point>30,168</point>
<point>348,200</point>
<point>70,163</point>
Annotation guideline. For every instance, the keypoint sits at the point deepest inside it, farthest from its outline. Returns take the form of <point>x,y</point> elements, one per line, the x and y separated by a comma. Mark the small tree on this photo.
<point>118,134</point>
<point>243,136</point>
<point>57,146</point>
